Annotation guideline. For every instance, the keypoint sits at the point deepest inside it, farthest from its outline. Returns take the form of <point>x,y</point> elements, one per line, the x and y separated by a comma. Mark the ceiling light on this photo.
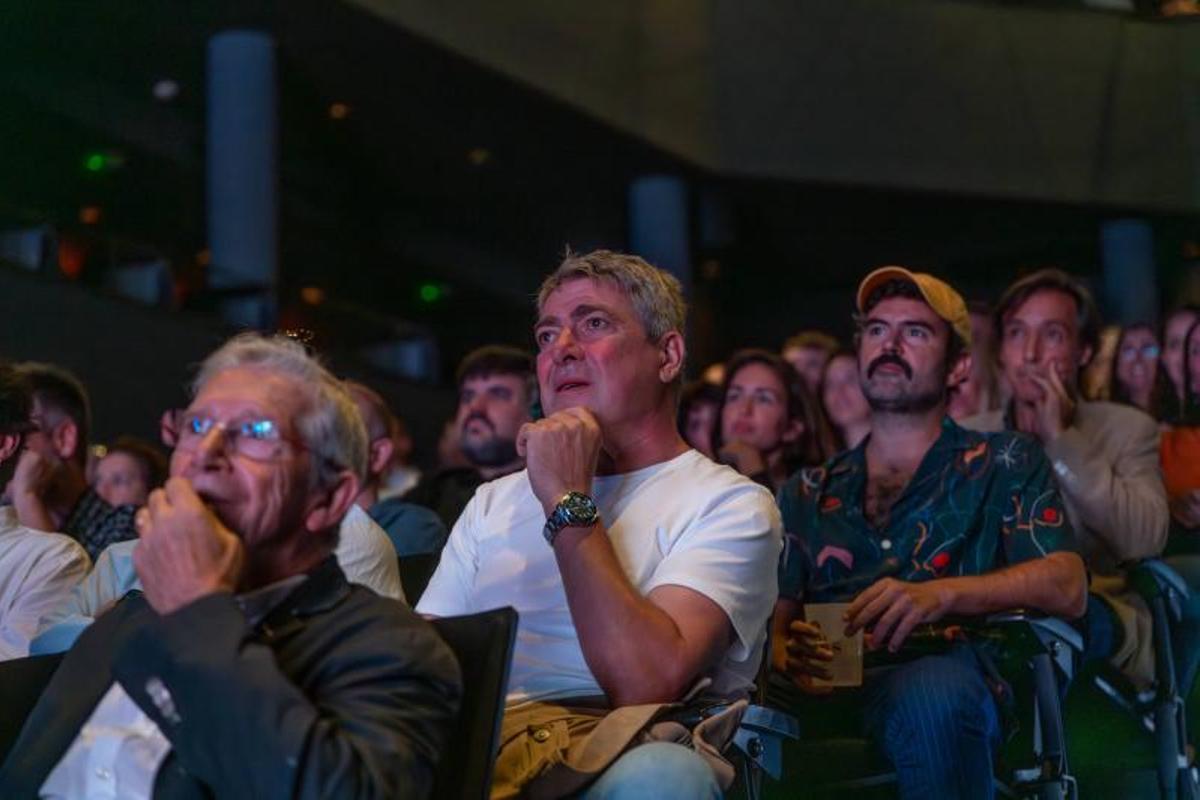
<point>165,90</point>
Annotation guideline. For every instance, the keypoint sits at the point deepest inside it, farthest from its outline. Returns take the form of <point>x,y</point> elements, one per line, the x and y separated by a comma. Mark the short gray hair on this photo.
<point>656,294</point>
<point>331,426</point>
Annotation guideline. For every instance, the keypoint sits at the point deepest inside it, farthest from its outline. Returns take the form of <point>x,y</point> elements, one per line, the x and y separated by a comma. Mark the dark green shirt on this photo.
<point>977,502</point>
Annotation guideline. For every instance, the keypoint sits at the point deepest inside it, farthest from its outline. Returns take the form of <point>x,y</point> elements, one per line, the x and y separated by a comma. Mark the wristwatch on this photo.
<point>575,509</point>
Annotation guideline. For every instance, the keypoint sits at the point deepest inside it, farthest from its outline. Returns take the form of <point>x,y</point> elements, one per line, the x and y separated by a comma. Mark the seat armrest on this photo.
<point>1152,577</point>
<point>1046,627</point>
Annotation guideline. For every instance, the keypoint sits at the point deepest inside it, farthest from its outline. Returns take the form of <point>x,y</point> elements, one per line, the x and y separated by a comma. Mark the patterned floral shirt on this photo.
<point>977,502</point>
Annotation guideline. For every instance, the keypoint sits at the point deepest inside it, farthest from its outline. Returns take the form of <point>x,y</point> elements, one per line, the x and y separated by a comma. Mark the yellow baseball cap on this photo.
<point>941,297</point>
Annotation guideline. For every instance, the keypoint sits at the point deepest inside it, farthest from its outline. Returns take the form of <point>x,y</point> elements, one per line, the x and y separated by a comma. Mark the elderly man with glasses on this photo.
<point>249,666</point>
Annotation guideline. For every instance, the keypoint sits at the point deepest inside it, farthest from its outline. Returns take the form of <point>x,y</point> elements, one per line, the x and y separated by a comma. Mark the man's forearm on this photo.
<point>1123,502</point>
<point>634,648</point>
<point>1055,585</point>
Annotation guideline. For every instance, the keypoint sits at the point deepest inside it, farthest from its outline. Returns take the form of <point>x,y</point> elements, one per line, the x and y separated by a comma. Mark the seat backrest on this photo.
<point>483,644</point>
<point>21,683</point>
<point>415,572</point>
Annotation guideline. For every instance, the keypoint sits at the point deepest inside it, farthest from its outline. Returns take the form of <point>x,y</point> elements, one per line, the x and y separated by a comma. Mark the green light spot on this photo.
<point>94,162</point>
<point>430,292</point>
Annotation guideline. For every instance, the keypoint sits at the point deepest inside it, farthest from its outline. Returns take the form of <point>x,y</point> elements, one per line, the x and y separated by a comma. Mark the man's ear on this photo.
<point>671,354</point>
<point>65,438</point>
<point>10,443</point>
<point>960,370</point>
<point>329,505</point>
<point>380,455</point>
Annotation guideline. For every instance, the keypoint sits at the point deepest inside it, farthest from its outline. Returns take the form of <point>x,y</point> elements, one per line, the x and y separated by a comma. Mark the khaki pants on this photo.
<point>548,750</point>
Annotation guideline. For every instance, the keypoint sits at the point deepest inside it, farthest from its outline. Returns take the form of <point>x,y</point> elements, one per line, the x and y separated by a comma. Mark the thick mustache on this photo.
<point>889,358</point>
<point>481,417</point>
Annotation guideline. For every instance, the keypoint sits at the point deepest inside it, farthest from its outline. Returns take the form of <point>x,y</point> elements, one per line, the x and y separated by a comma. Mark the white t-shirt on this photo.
<point>37,572</point>
<point>685,522</point>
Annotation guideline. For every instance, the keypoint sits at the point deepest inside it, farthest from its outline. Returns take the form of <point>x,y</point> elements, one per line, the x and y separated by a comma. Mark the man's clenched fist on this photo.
<point>560,452</point>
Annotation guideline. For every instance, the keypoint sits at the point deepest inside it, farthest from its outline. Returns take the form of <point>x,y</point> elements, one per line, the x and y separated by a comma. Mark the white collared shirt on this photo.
<point>38,570</point>
<point>119,749</point>
<point>684,522</point>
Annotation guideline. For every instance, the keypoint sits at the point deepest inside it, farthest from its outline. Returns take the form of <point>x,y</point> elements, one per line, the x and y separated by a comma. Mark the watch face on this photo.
<point>579,508</point>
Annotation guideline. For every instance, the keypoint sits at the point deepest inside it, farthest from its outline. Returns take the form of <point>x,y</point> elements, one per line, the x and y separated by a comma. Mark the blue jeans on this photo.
<point>933,718</point>
<point>655,770</point>
<point>936,720</point>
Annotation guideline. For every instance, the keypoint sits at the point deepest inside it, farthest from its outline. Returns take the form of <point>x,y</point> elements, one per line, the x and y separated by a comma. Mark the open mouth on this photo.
<point>567,386</point>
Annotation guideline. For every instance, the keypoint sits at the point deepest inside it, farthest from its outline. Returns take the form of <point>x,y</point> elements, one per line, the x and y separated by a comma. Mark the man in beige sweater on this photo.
<point>1104,455</point>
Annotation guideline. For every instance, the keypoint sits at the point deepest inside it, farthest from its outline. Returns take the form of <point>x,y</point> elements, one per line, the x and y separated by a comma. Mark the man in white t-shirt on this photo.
<point>638,566</point>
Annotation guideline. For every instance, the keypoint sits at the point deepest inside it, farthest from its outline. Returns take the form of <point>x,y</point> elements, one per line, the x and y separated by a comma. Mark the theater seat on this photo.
<point>483,644</point>
<point>1039,657</point>
<point>1159,710</point>
<point>415,572</point>
<point>21,683</point>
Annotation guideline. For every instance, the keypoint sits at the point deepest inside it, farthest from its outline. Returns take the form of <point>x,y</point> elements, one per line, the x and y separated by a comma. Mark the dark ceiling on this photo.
<point>445,173</point>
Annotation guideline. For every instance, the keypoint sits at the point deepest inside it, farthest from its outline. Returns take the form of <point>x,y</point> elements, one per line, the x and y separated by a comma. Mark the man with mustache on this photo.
<point>640,568</point>
<point>496,391</point>
<point>248,667</point>
<point>922,520</point>
<point>1105,455</point>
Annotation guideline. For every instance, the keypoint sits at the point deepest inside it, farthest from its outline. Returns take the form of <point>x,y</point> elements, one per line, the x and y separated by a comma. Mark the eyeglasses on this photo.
<point>1129,352</point>
<point>256,439</point>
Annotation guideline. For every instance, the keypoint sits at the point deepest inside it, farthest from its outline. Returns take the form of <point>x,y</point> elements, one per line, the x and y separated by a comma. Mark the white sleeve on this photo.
<point>367,556</point>
<point>730,554</point>
<point>449,592</point>
<point>50,575</point>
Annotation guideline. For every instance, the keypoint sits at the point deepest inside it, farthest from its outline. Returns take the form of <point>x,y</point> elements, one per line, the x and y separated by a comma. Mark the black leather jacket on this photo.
<point>337,692</point>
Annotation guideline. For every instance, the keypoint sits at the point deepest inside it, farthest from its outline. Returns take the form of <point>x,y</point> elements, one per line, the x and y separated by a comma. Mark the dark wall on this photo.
<point>137,361</point>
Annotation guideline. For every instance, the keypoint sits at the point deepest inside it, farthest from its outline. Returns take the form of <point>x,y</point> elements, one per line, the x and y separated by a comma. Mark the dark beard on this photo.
<point>493,452</point>
<point>917,403</point>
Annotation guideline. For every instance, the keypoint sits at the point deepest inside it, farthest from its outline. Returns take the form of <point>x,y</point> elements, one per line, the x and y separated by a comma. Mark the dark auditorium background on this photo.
<point>433,160</point>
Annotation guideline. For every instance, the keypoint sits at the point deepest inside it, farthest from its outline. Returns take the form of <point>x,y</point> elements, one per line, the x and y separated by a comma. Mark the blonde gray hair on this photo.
<point>656,295</point>
<point>331,426</point>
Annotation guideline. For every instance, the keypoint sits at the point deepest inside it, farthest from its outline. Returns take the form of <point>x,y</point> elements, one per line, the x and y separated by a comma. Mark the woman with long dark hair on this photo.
<point>769,425</point>
<point>1137,379</point>
<point>1175,330</point>
<point>1180,449</point>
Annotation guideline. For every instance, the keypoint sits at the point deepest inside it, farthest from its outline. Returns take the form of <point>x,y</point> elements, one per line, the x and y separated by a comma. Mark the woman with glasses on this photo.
<point>1137,380</point>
